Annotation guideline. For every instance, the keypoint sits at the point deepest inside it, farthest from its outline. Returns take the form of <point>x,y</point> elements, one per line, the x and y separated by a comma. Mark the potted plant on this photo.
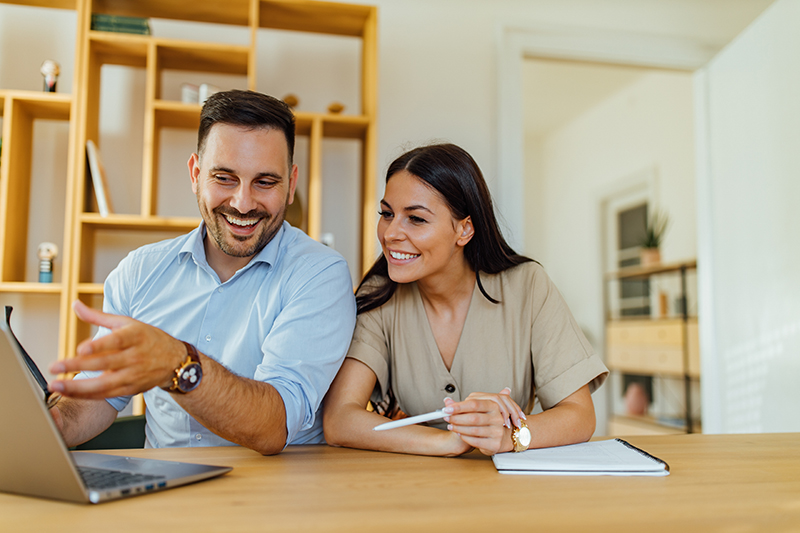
<point>654,231</point>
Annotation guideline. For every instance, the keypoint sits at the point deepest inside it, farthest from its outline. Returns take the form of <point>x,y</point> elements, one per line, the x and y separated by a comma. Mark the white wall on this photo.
<point>643,133</point>
<point>750,195</point>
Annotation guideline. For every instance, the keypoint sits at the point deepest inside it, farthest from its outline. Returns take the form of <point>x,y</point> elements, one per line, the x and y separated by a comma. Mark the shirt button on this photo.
<point>450,388</point>
<point>208,338</point>
<point>198,436</point>
<point>219,290</point>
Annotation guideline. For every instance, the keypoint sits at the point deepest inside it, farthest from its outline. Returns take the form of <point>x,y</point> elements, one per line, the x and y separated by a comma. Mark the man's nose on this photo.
<point>243,200</point>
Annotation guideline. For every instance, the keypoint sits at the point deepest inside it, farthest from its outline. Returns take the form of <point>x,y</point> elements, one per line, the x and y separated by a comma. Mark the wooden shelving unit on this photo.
<point>661,346</point>
<point>155,55</point>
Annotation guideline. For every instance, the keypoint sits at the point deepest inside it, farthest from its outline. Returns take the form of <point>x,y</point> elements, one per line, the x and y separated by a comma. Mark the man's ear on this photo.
<point>292,183</point>
<point>194,170</point>
<point>466,231</point>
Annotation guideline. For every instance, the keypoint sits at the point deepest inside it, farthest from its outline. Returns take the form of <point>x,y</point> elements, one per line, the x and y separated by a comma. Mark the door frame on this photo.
<point>516,43</point>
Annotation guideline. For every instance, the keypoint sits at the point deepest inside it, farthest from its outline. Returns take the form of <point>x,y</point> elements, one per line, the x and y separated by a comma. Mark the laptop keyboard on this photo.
<point>98,478</point>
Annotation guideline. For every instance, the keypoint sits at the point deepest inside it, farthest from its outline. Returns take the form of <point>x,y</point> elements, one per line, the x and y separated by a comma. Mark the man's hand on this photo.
<point>134,357</point>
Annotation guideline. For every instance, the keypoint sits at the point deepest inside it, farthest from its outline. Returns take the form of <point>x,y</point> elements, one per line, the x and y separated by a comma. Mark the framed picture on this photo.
<point>99,181</point>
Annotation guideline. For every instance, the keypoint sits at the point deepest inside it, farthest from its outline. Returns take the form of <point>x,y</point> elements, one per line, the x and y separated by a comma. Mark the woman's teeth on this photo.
<point>401,257</point>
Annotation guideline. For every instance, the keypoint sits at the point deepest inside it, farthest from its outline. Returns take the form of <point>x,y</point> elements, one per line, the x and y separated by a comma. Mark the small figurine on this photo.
<point>47,252</point>
<point>335,108</point>
<point>291,100</point>
<point>50,70</point>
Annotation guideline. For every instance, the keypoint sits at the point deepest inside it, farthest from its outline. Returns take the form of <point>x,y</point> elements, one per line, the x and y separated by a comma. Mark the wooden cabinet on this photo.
<point>84,230</point>
<point>657,354</point>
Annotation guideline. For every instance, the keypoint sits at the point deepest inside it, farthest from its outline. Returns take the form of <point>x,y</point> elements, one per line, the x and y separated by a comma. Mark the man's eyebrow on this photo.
<point>260,174</point>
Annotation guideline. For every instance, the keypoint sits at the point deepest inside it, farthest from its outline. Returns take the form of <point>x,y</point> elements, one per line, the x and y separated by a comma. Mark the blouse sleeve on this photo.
<point>563,360</point>
<point>370,346</point>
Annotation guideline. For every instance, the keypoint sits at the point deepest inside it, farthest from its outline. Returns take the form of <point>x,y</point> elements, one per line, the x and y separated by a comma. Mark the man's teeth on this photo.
<point>400,256</point>
<point>240,222</point>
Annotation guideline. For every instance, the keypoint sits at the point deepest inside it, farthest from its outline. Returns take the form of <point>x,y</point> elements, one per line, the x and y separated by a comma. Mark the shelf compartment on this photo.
<point>228,12</point>
<point>336,126</point>
<point>30,288</point>
<point>118,49</point>
<point>170,114</point>
<point>56,4</point>
<point>20,110</point>
<point>203,57</point>
<point>139,223</point>
<point>90,288</point>
<point>315,17</point>
<point>646,272</point>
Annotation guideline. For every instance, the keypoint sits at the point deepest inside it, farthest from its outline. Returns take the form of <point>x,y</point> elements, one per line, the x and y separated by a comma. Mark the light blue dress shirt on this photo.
<point>285,319</point>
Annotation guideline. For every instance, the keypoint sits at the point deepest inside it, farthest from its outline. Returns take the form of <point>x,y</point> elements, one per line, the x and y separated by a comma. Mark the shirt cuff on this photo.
<point>119,403</point>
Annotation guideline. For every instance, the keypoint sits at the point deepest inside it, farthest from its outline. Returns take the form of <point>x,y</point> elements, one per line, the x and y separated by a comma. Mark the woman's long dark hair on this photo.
<point>451,171</point>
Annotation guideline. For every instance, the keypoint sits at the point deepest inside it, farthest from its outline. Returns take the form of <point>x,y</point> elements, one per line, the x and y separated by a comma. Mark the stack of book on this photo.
<point>120,24</point>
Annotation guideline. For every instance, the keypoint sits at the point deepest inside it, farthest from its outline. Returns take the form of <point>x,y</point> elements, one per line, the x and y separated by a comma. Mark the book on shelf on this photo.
<point>120,24</point>
<point>614,457</point>
<point>99,181</point>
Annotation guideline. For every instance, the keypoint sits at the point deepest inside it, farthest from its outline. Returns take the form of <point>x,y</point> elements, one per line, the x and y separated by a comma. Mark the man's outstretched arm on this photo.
<point>136,357</point>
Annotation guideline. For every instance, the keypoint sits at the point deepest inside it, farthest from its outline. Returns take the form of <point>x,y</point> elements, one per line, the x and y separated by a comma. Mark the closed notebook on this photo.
<point>614,457</point>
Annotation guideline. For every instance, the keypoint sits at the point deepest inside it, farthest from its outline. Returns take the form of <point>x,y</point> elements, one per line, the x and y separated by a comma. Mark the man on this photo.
<point>234,331</point>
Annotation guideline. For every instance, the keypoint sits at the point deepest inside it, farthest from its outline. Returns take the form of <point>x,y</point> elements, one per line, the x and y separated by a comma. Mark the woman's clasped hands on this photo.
<point>485,420</point>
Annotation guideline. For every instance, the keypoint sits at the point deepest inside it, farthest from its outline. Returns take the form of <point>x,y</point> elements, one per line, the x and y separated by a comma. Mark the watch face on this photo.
<point>190,377</point>
<point>525,436</point>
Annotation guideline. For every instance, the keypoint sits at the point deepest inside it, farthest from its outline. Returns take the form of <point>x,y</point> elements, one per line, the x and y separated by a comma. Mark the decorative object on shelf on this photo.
<point>190,93</point>
<point>654,231</point>
<point>50,70</point>
<point>335,108</point>
<point>46,252</point>
<point>636,399</point>
<point>99,181</point>
<point>291,100</point>
<point>120,24</point>
<point>328,239</point>
<point>206,90</point>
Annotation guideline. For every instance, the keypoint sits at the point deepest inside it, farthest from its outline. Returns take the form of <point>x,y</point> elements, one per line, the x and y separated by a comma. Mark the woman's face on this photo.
<point>418,234</point>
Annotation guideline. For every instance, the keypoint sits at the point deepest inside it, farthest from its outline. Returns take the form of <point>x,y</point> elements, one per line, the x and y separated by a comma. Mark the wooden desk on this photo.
<point>735,483</point>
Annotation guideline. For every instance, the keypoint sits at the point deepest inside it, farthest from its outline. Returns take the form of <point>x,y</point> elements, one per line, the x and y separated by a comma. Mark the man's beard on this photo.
<point>269,226</point>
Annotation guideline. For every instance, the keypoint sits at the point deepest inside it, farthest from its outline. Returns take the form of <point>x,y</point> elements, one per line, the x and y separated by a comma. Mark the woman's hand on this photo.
<point>484,420</point>
<point>455,445</point>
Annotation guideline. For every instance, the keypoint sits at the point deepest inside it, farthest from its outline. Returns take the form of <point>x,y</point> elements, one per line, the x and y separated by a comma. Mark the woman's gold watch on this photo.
<point>521,437</point>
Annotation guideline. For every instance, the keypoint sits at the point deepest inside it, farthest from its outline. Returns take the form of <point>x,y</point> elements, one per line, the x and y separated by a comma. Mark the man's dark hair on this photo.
<point>248,109</point>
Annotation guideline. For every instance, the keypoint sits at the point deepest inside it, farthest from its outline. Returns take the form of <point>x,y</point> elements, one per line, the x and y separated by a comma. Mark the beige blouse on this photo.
<point>528,342</point>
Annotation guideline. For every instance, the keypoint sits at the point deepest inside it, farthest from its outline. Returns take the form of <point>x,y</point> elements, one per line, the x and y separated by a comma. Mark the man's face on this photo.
<point>243,184</point>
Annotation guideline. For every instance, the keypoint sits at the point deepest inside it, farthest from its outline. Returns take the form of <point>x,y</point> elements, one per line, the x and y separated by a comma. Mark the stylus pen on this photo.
<point>411,420</point>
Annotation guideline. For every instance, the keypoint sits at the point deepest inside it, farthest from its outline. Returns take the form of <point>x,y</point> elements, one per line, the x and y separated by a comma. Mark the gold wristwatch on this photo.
<point>521,437</point>
<point>189,374</point>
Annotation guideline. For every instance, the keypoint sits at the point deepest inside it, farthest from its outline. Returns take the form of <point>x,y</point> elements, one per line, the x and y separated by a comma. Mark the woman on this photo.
<point>450,314</point>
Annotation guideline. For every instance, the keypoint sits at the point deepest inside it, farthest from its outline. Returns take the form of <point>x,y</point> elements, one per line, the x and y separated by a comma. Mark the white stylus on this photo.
<point>411,420</point>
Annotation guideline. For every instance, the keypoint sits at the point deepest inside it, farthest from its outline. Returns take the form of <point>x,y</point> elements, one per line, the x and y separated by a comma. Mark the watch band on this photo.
<point>521,437</point>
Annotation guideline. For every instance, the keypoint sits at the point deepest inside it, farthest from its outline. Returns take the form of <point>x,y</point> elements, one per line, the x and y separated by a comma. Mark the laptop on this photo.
<point>35,461</point>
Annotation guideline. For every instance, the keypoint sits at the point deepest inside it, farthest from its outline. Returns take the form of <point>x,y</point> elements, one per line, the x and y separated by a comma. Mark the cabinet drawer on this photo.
<point>645,360</point>
<point>646,332</point>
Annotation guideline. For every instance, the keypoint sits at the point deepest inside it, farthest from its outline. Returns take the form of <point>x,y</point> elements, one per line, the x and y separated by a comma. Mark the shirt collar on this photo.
<point>194,247</point>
